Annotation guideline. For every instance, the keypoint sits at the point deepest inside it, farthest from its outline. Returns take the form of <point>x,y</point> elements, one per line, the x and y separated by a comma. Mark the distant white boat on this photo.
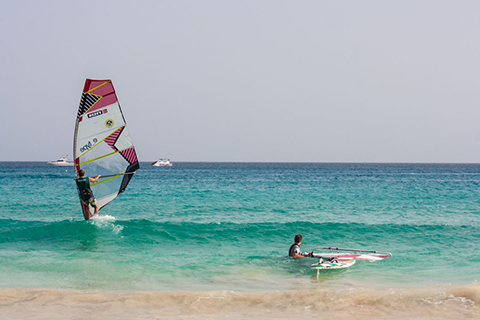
<point>62,162</point>
<point>162,163</point>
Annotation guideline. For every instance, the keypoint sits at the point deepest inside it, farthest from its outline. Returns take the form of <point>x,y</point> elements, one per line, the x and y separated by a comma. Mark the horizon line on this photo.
<point>305,162</point>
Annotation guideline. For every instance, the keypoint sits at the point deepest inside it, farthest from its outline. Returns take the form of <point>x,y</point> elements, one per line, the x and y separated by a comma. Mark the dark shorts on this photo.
<point>88,198</point>
<point>91,201</point>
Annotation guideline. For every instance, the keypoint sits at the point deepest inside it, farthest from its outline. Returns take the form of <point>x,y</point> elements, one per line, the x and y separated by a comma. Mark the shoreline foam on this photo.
<point>432,302</point>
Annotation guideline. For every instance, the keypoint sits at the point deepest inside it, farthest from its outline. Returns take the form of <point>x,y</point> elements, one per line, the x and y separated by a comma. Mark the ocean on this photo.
<point>210,241</point>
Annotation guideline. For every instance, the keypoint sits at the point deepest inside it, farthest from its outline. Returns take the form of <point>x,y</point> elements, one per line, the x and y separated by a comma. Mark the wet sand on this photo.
<point>433,302</point>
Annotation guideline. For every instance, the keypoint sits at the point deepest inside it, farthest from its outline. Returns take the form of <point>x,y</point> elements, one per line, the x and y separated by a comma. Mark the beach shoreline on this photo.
<point>430,302</point>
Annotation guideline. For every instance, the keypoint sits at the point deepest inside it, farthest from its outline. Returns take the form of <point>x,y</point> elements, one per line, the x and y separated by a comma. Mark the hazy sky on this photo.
<point>306,81</point>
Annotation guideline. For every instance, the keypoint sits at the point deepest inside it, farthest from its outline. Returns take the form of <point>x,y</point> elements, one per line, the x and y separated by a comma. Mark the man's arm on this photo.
<point>94,179</point>
<point>302,255</point>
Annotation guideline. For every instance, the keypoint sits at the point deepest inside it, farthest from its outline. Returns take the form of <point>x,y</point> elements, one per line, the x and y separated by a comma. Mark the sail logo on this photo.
<point>88,145</point>
<point>109,123</point>
<point>96,113</point>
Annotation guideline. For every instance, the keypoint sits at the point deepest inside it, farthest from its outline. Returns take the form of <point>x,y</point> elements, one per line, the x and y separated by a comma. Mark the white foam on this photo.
<point>103,218</point>
<point>106,221</point>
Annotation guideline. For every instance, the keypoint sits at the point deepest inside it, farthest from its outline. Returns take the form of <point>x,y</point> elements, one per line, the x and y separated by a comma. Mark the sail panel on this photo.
<point>102,143</point>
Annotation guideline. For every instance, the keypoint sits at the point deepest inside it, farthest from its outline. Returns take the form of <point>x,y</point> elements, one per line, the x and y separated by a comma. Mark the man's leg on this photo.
<point>93,203</point>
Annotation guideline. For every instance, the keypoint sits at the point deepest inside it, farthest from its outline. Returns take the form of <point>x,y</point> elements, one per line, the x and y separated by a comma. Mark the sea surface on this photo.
<point>210,240</point>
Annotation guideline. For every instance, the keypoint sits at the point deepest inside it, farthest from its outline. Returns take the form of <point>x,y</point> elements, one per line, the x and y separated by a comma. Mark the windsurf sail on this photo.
<point>339,258</point>
<point>102,143</point>
<point>349,254</point>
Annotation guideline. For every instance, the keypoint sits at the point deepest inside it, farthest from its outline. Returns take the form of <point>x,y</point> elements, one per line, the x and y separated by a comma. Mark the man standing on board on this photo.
<point>86,194</point>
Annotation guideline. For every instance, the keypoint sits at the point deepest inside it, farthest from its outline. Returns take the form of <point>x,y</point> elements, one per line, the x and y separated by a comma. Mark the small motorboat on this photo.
<point>62,162</point>
<point>162,163</point>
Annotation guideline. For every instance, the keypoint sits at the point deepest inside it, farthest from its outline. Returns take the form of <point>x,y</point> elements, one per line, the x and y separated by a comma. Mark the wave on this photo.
<point>16,225</point>
<point>433,302</point>
<point>264,233</point>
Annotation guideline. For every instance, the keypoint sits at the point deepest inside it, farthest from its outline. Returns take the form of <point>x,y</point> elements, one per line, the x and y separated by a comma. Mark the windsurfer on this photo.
<point>86,194</point>
<point>295,248</point>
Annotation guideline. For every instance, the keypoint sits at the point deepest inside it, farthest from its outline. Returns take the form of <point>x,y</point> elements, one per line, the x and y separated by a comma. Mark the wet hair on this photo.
<point>298,238</point>
<point>81,172</point>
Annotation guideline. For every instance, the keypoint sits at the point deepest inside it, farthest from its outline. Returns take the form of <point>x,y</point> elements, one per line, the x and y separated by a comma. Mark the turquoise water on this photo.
<point>228,226</point>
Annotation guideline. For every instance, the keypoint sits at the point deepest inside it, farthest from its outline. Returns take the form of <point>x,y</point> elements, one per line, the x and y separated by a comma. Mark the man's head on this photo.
<point>81,173</point>
<point>298,238</point>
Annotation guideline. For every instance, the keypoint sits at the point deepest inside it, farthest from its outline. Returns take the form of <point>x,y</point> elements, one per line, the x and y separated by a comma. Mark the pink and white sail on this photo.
<point>102,144</point>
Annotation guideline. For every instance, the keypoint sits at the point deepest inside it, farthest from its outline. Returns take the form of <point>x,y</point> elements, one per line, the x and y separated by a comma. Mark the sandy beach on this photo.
<point>435,302</point>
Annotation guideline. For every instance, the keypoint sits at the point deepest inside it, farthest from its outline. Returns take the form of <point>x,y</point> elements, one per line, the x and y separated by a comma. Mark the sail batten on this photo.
<point>102,144</point>
<point>104,156</point>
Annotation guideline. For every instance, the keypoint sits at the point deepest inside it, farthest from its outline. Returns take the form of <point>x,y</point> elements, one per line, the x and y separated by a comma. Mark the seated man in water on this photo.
<point>86,194</point>
<point>295,248</point>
